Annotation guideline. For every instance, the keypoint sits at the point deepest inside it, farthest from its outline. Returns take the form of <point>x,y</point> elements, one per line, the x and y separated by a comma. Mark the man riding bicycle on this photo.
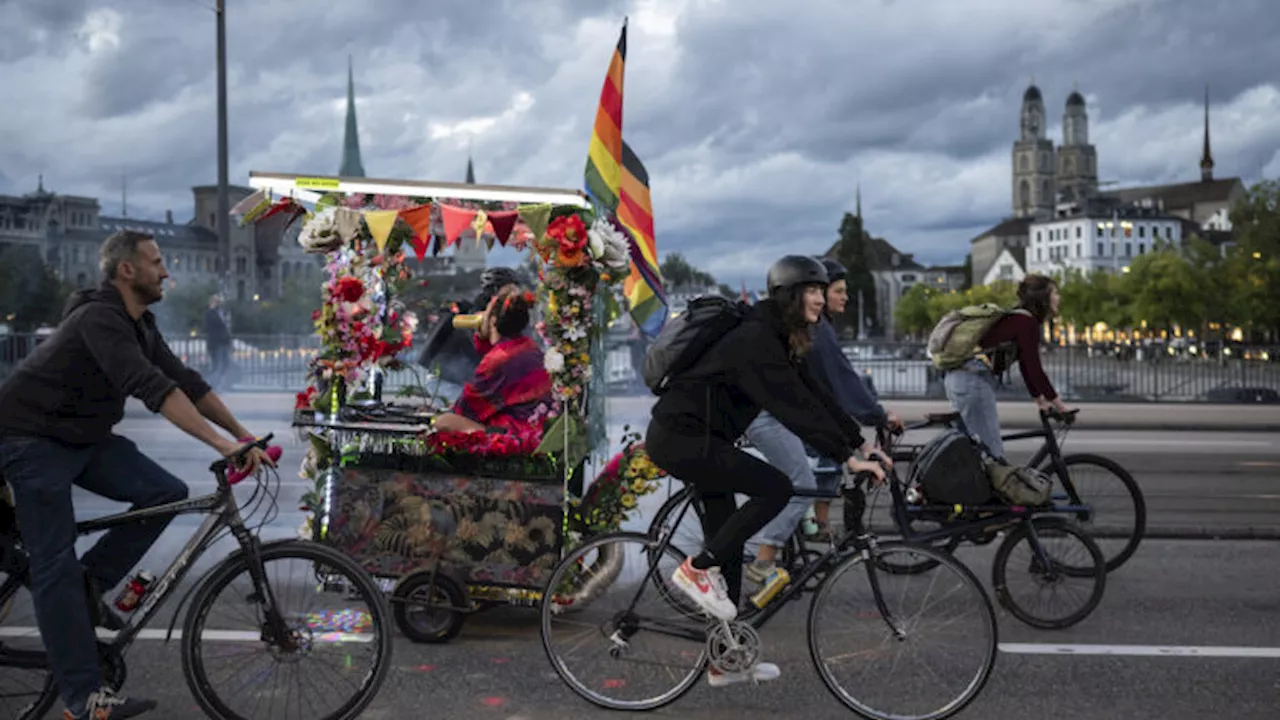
<point>57,411</point>
<point>785,451</point>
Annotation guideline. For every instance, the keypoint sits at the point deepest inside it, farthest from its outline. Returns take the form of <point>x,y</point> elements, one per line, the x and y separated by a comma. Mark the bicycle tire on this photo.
<point>548,615</point>
<point>999,572</point>
<point>941,561</point>
<point>1131,487</point>
<point>318,555</point>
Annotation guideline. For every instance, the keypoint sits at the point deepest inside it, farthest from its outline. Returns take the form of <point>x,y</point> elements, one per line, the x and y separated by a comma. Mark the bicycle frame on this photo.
<point>223,512</point>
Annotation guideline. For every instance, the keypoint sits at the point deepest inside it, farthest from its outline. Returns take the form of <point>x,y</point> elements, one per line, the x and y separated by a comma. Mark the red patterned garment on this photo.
<point>509,385</point>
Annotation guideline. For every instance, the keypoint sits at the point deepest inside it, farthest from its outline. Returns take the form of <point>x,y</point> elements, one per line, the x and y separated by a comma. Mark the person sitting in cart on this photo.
<point>510,382</point>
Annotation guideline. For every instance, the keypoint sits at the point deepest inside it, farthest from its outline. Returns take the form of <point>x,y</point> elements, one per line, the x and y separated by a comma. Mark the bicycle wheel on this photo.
<point>346,628</point>
<point>27,691</point>
<point>1118,511</point>
<point>1069,551</point>
<point>649,651</point>
<point>849,634</point>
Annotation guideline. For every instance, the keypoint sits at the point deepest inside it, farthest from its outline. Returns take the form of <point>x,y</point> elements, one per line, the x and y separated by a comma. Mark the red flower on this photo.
<point>304,398</point>
<point>349,289</point>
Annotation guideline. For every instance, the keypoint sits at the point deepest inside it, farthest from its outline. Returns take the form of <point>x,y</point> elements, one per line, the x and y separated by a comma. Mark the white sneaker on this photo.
<point>762,672</point>
<point>706,588</point>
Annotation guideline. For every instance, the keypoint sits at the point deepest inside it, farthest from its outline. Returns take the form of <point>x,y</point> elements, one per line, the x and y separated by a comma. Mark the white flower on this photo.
<point>615,251</point>
<point>305,530</point>
<point>553,361</point>
<point>575,332</point>
<point>320,234</point>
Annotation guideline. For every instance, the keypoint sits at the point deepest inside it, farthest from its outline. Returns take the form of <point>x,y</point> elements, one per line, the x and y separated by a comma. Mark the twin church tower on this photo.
<point>1044,177</point>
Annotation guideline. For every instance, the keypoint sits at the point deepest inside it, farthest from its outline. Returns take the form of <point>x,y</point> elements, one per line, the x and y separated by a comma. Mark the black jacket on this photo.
<point>72,387</point>
<point>749,370</point>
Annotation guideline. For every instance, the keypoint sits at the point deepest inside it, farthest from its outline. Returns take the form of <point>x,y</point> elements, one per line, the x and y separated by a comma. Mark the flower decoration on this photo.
<point>609,245</point>
<point>320,233</point>
<point>617,490</point>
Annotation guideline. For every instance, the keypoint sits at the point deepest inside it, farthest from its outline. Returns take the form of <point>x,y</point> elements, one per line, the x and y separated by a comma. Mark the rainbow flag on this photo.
<point>617,183</point>
<point>643,288</point>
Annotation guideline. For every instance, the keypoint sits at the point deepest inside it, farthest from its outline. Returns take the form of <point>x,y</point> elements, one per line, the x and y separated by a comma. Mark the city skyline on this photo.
<point>739,152</point>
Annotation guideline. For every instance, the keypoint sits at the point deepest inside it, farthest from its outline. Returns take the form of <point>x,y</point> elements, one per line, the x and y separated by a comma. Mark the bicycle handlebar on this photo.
<point>221,466</point>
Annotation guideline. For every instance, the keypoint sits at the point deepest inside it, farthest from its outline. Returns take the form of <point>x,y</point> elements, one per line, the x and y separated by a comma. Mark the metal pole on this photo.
<point>224,200</point>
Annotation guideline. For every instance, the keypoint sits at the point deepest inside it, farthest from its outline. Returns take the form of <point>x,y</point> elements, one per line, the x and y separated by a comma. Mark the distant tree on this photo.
<point>31,294</point>
<point>852,254</point>
<point>1254,263</point>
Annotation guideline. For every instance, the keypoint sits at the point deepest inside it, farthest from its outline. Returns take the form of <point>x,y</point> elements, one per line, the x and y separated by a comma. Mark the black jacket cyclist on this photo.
<point>760,364</point>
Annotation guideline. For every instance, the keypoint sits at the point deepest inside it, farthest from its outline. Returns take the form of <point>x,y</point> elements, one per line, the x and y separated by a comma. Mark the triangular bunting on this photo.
<point>477,226</point>
<point>286,203</point>
<point>503,222</point>
<point>346,222</point>
<point>536,217</point>
<point>455,220</point>
<point>418,218</point>
<point>252,206</point>
<point>380,223</point>
<point>419,247</point>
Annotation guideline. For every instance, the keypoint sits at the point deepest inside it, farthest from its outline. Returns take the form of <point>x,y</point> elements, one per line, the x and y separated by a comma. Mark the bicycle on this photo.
<point>1070,471</point>
<point>577,586</point>
<point>289,638</point>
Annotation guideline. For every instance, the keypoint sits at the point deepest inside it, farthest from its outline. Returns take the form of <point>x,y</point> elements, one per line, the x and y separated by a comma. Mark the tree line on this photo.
<point>1197,286</point>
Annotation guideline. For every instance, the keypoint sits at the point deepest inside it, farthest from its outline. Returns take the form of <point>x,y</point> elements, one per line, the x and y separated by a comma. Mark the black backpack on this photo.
<point>687,337</point>
<point>950,470</point>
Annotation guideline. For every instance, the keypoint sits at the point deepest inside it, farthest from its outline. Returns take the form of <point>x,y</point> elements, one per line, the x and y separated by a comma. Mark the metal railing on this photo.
<point>897,371</point>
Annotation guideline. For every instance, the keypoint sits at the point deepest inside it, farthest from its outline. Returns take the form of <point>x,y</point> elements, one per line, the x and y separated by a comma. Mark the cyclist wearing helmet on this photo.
<point>759,365</point>
<point>785,451</point>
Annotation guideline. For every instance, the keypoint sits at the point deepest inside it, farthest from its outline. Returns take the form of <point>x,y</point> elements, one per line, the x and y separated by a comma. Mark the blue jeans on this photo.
<point>972,392</point>
<point>786,452</point>
<point>41,473</point>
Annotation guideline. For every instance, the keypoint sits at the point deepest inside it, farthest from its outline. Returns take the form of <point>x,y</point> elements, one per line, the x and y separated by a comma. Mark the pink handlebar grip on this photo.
<point>273,451</point>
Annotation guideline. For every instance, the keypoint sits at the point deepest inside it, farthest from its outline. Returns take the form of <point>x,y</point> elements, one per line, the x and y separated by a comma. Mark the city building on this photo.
<point>1055,187</point>
<point>1106,234</point>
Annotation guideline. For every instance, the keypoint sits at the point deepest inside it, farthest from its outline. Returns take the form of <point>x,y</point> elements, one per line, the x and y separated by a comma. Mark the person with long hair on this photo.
<point>761,364</point>
<point>1013,338</point>
<point>510,382</point>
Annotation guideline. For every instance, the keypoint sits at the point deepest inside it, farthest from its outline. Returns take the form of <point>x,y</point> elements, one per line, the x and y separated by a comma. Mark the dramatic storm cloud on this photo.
<point>757,119</point>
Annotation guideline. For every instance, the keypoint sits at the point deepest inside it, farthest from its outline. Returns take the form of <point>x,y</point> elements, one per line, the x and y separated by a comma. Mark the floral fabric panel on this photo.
<point>496,532</point>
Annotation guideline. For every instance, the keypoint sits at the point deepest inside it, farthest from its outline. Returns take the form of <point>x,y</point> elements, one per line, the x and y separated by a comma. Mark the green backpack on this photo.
<point>956,337</point>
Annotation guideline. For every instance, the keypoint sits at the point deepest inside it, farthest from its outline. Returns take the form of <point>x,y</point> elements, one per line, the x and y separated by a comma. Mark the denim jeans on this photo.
<point>972,392</point>
<point>785,451</point>
<point>41,473</point>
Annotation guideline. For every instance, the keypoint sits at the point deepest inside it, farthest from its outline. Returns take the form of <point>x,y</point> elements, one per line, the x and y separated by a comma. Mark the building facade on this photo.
<point>1097,239</point>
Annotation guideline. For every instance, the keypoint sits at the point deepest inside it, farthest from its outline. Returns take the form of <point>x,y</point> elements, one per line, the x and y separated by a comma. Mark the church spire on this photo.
<point>351,165</point>
<point>859,201</point>
<point>1206,159</point>
<point>471,172</point>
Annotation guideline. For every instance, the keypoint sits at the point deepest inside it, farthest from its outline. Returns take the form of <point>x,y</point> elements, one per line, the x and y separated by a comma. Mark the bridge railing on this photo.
<point>896,370</point>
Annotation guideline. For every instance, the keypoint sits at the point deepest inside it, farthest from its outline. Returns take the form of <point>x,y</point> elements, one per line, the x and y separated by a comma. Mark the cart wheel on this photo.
<point>428,607</point>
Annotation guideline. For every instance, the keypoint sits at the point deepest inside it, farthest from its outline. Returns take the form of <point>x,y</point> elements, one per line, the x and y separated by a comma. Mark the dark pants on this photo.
<point>220,365</point>
<point>717,470</point>
<point>41,473</point>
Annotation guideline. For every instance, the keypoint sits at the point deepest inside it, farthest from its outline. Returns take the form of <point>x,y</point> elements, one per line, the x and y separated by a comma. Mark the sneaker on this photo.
<point>762,672</point>
<point>822,535</point>
<point>758,572</point>
<point>706,588</point>
<point>106,705</point>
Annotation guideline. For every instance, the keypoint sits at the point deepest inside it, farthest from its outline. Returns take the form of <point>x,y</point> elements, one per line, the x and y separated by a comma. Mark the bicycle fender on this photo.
<point>233,557</point>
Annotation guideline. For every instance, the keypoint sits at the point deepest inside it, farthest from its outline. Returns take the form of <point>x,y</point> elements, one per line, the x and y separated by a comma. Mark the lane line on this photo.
<point>1195,651</point>
<point>214,635</point>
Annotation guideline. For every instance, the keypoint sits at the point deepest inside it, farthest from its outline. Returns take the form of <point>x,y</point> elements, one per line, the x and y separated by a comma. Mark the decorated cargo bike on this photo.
<point>453,522</point>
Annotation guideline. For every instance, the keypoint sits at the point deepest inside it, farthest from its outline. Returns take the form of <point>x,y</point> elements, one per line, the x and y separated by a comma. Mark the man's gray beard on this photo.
<point>147,294</point>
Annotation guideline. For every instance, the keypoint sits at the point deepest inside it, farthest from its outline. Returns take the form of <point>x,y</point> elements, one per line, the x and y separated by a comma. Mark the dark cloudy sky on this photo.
<point>757,118</point>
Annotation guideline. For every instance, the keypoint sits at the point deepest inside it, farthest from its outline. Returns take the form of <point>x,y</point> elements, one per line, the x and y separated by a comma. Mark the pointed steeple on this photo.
<point>859,200</point>
<point>471,172</point>
<point>1206,159</point>
<point>351,165</point>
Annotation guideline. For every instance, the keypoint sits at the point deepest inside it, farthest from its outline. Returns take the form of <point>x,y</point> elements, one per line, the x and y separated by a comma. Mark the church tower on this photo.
<point>1033,161</point>
<point>1077,159</point>
<point>1206,157</point>
<point>351,165</point>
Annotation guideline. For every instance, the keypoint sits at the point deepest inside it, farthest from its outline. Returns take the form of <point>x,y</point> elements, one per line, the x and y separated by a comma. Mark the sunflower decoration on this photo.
<point>616,492</point>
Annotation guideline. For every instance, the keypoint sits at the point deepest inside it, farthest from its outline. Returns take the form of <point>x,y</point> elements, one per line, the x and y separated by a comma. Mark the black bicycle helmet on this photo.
<point>794,270</point>
<point>495,277</point>
<point>835,271</point>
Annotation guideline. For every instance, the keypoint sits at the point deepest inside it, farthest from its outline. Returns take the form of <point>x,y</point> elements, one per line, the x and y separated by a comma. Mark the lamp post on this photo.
<point>223,222</point>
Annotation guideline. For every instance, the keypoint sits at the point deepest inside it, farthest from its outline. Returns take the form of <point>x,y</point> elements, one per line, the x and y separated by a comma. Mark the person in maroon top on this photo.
<point>1014,338</point>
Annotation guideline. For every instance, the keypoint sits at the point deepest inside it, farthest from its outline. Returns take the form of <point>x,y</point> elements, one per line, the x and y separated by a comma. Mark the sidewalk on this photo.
<point>1013,415</point>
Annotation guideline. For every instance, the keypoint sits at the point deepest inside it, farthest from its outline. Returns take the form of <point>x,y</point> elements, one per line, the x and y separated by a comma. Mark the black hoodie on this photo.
<point>749,370</point>
<point>72,387</point>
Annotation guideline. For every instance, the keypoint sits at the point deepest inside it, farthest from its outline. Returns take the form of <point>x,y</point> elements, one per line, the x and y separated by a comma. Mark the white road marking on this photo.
<point>1201,651</point>
<point>214,635</point>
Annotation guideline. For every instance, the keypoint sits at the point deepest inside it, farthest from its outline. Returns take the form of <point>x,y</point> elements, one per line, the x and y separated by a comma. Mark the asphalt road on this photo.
<point>1187,629</point>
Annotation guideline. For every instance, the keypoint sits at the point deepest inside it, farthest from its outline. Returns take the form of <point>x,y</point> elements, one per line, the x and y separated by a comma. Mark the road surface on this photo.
<point>1187,629</point>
